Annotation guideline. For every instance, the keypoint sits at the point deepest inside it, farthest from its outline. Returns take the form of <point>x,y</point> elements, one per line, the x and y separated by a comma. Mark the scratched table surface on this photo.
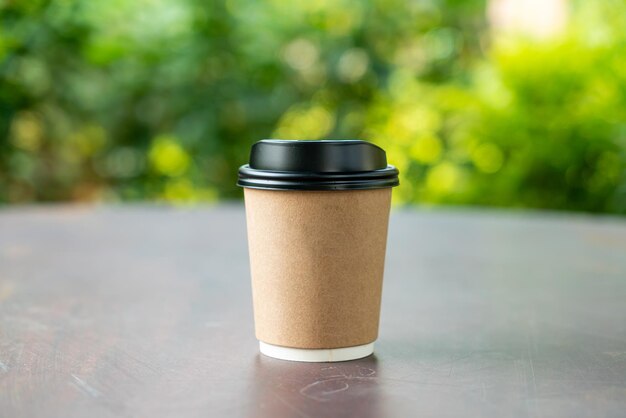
<point>146,311</point>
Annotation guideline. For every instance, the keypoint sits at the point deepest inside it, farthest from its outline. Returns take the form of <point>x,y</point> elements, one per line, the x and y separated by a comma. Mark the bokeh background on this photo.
<point>510,103</point>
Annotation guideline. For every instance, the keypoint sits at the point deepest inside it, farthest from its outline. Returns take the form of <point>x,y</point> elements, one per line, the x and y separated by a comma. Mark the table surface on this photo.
<point>146,312</point>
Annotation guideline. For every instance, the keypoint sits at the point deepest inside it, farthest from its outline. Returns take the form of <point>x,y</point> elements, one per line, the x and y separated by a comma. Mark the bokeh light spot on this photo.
<point>27,131</point>
<point>488,158</point>
<point>352,65</point>
<point>301,54</point>
<point>168,157</point>
<point>427,149</point>
<point>312,123</point>
<point>443,178</point>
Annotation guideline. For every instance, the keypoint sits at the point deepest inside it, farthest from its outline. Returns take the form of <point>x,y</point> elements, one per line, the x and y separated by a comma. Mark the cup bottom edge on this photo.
<point>323,355</point>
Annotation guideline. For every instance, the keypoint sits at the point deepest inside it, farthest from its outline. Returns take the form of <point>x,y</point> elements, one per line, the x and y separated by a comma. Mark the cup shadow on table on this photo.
<point>285,388</point>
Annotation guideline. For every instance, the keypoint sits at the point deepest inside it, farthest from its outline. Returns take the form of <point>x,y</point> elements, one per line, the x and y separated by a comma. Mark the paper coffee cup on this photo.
<point>317,215</point>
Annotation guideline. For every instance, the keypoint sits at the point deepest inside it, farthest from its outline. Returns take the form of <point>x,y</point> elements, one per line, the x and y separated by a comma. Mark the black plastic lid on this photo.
<point>347,164</point>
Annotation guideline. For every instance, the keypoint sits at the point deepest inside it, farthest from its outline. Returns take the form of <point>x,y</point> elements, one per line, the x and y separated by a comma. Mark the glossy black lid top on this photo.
<point>317,165</point>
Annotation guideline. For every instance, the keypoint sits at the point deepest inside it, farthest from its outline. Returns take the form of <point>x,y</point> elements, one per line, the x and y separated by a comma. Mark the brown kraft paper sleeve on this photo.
<point>317,261</point>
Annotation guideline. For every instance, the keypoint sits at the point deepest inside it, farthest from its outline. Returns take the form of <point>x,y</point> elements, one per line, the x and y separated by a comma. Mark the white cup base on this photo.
<point>325,355</point>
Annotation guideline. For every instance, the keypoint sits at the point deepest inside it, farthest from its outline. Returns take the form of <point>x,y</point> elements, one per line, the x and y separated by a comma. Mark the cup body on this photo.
<point>317,261</point>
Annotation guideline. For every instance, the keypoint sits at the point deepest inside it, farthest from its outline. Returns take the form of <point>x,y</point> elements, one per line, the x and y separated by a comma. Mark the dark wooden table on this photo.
<point>146,312</point>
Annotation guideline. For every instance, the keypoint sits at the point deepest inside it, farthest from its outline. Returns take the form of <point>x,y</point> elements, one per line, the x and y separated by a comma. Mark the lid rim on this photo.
<point>270,185</point>
<point>291,180</point>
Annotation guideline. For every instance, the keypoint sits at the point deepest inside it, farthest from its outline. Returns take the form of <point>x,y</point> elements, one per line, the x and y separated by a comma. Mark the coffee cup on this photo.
<point>317,214</point>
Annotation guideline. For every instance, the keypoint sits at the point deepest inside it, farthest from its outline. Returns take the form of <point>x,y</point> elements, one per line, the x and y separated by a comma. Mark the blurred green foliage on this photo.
<point>161,99</point>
